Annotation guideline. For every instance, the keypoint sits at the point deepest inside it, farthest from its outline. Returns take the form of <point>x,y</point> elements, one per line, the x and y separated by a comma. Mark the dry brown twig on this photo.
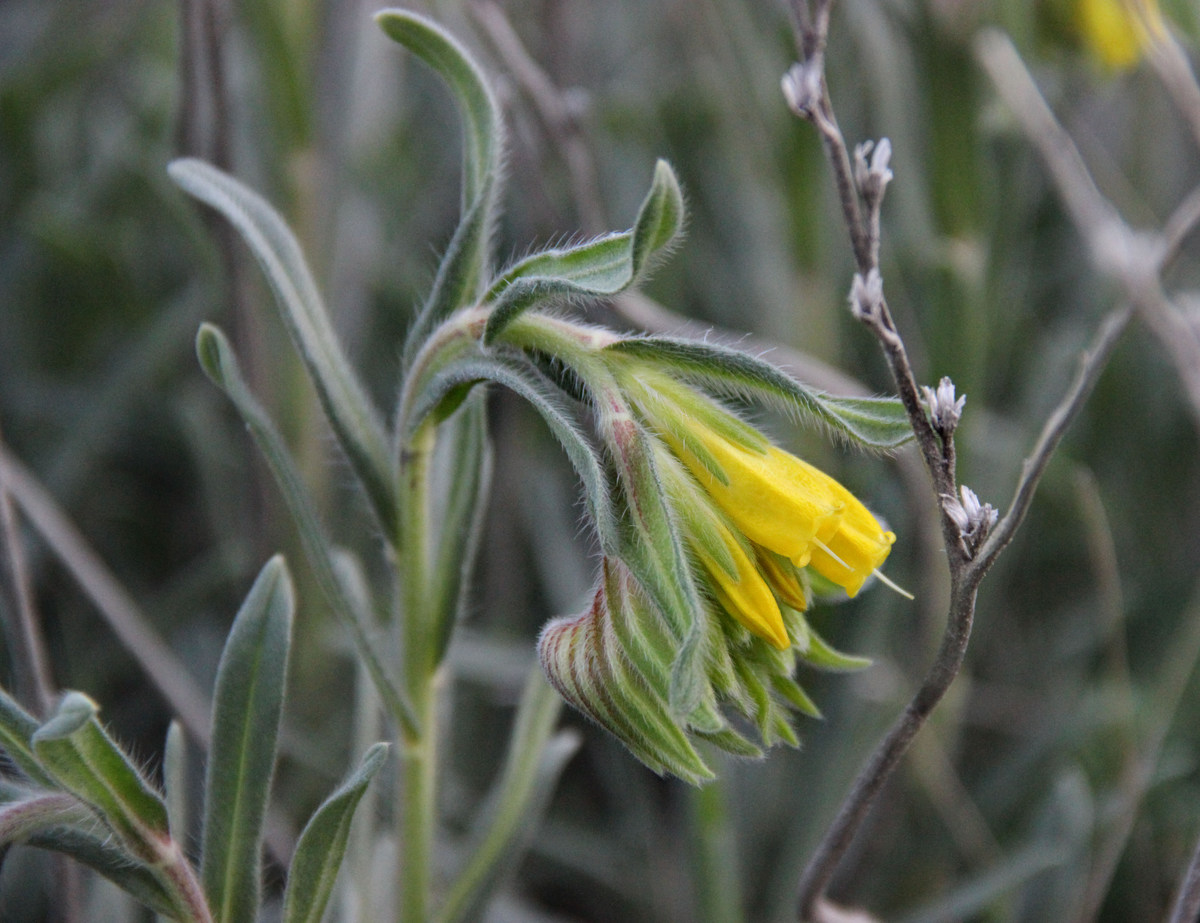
<point>1135,261</point>
<point>973,532</point>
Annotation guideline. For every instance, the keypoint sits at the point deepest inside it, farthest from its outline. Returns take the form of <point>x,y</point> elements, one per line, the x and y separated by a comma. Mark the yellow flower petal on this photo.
<point>748,598</point>
<point>784,580</point>
<point>856,549</point>
<point>775,499</point>
<point>1118,31</point>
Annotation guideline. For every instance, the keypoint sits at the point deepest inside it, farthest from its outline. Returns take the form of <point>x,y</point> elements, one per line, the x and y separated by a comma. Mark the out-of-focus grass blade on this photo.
<point>247,708</point>
<point>319,852</point>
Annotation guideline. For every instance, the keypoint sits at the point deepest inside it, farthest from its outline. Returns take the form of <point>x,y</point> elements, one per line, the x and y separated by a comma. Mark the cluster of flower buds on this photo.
<point>701,612</point>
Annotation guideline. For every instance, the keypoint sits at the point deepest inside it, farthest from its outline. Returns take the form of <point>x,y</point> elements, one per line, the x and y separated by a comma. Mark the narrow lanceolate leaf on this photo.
<point>466,489</point>
<point>322,845</point>
<point>464,266</point>
<point>874,422</point>
<point>527,382</point>
<point>220,364</point>
<point>17,728</point>
<point>81,758</point>
<point>515,806</point>
<point>596,269</point>
<point>247,707</point>
<point>354,421</point>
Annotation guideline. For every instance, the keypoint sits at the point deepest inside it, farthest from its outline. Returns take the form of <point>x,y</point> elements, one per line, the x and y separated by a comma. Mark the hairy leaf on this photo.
<point>354,421</point>
<point>598,268</point>
<point>247,708</point>
<point>874,422</point>
<point>464,266</point>
<point>322,844</point>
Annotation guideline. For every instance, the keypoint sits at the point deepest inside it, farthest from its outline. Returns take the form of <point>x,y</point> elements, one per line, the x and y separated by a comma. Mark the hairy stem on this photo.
<point>418,758</point>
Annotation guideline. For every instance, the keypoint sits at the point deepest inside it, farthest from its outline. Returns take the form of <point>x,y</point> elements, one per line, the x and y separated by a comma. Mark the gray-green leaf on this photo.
<point>17,728</point>
<point>598,268</point>
<point>354,421</point>
<point>79,755</point>
<point>319,852</point>
<point>465,264</point>
<point>527,382</point>
<point>247,707</point>
<point>874,422</point>
<point>220,364</point>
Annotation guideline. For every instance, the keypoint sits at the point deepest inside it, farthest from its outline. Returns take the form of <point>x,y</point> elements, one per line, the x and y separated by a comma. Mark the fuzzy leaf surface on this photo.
<point>527,382</point>
<point>82,759</point>
<point>97,851</point>
<point>598,268</point>
<point>17,728</point>
<point>464,266</point>
<point>322,844</point>
<point>872,422</point>
<point>219,362</point>
<point>247,708</point>
<point>354,421</point>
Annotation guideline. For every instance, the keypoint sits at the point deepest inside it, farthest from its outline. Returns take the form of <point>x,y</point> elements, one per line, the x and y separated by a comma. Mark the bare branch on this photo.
<point>1091,364</point>
<point>1181,223</point>
<point>1171,64</point>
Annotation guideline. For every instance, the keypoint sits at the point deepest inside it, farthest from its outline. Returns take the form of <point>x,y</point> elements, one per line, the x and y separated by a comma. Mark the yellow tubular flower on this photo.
<point>789,507</point>
<point>784,580</point>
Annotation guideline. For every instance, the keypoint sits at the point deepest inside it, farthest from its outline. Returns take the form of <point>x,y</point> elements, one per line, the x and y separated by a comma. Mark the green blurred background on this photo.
<point>1023,779</point>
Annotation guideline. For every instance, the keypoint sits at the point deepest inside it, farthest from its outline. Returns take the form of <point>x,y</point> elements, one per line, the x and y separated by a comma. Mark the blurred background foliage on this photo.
<point>1086,635</point>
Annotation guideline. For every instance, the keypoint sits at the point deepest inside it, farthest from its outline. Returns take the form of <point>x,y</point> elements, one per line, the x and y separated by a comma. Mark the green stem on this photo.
<point>178,876</point>
<point>714,855</point>
<point>419,801</point>
<point>418,764</point>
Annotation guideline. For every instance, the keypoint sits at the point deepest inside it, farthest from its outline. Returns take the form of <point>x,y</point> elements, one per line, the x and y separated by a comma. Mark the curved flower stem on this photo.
<point>1092,363</point>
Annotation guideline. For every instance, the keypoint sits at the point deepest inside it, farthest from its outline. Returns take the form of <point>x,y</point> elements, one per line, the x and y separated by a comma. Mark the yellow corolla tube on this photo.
<point>857,549</point>
<point>746,596</point>
<point>774,498</point>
